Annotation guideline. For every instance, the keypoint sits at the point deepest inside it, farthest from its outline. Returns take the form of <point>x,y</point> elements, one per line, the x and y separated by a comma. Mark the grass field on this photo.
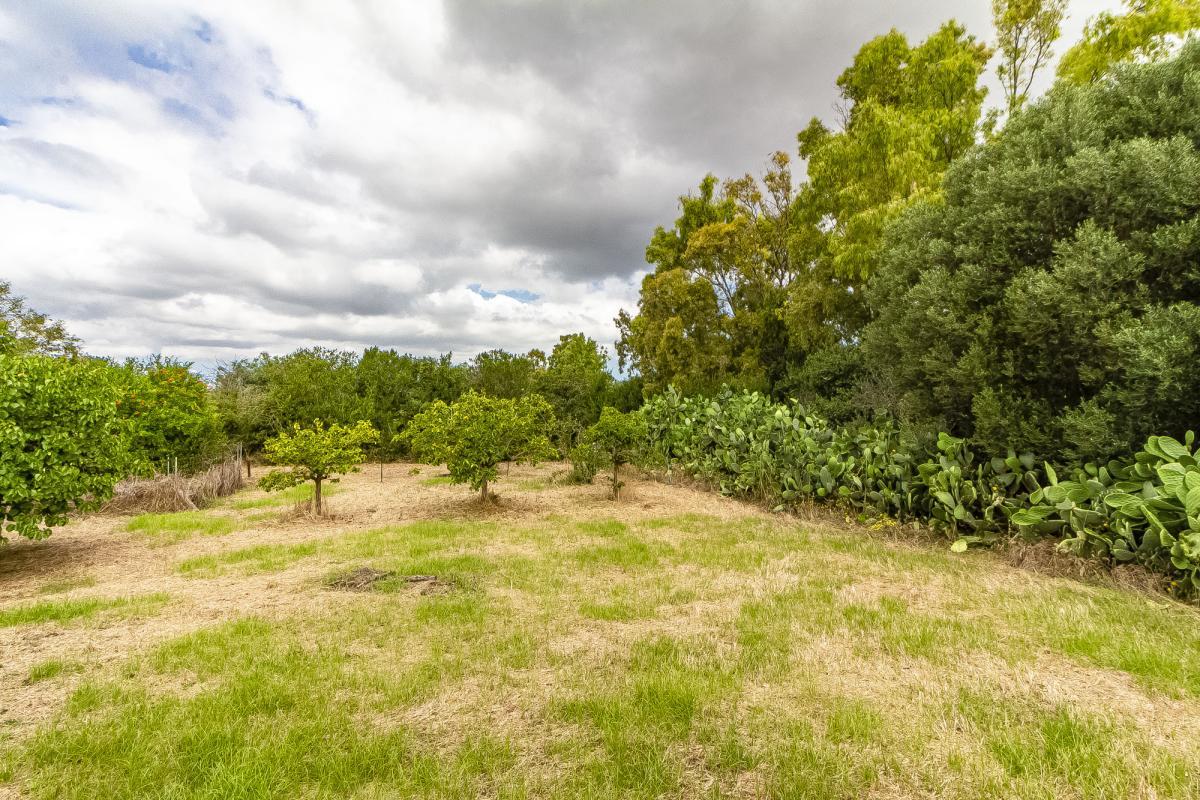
<point>676,644</point>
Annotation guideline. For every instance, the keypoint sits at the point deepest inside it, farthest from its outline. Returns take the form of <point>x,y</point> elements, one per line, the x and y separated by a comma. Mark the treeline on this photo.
<point>254,399</point>
<point>1032,286</point>
<point>72,426</point>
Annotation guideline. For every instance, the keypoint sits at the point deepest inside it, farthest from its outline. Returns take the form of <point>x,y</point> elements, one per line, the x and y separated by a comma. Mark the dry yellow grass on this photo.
<point>674,644</point>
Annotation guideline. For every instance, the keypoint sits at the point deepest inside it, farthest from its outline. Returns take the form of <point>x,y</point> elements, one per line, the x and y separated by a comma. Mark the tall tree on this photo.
<point>1049,301</point>
<point>708,314</point>
<point>23,330</point>
<point>576,382</point>
<point>907,113</point>
<point>1144,32</point>
<point>1025,31</point>
<point>395,387</point>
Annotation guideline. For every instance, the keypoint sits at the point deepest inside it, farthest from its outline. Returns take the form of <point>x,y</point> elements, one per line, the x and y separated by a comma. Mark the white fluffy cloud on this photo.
<point>216,178</point>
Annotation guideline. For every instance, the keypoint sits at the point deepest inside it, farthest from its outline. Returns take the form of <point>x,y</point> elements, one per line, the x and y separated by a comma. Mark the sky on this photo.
<point>211,180</point>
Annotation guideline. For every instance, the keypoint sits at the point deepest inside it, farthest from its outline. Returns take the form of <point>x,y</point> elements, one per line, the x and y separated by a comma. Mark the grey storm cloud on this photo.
<point>215,178</point>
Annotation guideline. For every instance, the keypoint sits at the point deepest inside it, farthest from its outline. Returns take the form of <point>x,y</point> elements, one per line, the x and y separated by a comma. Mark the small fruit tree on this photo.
<point>476,432</point>
<point>617,438</point>
<point>316,454</point>
<point>63,445</point>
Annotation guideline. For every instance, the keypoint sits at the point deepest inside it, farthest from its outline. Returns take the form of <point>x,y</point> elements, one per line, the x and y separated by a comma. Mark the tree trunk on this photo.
<point>317,495</point>
<point>483,493</point>
<point>616,483</point>
<point>247,458</point>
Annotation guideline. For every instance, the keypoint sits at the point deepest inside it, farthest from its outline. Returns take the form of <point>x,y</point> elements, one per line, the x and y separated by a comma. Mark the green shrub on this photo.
<point>616,439</point>
<point>476,433</point>
<point>585,463</point>
<point>1146,510</point>
<point>316,454</point>
<point>62,444</point>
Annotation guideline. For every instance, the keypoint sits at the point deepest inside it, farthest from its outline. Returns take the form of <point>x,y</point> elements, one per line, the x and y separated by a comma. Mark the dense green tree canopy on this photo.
<point>63,446</point>
<point>911,110</point>
<point>1049,301</point>
<point>394,388</point>
<point>172,416</point>
<point>757,275</point>
<point>576,383</point>
<point>499,373</point>
<point>1145,31</point>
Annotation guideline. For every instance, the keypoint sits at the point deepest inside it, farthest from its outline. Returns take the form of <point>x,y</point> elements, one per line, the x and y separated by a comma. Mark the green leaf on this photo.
<point>1191,503</point>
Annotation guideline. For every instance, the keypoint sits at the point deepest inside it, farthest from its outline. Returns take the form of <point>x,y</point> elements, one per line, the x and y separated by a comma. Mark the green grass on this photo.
<point>1157,642</point>
<point>406,547</point>
<point>249,560</point>
<point>437,480</point>
<point>69,610</point>
<point>677,657</point>
<point>181,525</point>
<point>53,668</point>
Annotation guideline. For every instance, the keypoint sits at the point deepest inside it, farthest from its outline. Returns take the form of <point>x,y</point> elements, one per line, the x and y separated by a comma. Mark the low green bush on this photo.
<point>1145,510</point>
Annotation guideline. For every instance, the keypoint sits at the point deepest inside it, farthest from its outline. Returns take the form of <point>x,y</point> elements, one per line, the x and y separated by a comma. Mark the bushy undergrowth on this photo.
<point>1145,510</point>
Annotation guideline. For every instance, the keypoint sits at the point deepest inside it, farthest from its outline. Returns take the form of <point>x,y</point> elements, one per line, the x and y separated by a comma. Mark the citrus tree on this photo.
<point>617,438</point>
<point>476,433</point>
<point>316,454</point>
<point>172,413</point>
<point>63,445</point>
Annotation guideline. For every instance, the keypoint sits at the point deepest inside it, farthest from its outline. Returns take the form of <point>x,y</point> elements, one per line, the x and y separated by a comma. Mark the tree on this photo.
<point>63,445</point>
<point>576,382</point>
<point>240,401</point>
<point>313,383</point>
<point>25,331</point>
<point>1049,301</point>
<point>172,414</point>
<point>908,112</point>
<point>708,314</point>
<point>499,373</point>
<point>1144,32</point>
<point>678,335</point>
<point>476,433</point>
<point>316,454</point>
<point>1025,30</point>
<point>394,388</point>
<point>618,438</point>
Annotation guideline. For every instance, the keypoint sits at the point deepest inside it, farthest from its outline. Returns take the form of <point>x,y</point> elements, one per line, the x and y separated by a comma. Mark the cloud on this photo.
<point>214,179</point>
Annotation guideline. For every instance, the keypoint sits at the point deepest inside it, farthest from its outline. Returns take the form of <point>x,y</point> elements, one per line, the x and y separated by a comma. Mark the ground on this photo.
<point>676,644</point>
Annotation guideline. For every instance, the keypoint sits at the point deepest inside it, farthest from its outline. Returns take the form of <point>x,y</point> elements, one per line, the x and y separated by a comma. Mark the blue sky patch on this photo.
<point>204,31</point>
<point>520,295</point>
<point>150,58</point>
